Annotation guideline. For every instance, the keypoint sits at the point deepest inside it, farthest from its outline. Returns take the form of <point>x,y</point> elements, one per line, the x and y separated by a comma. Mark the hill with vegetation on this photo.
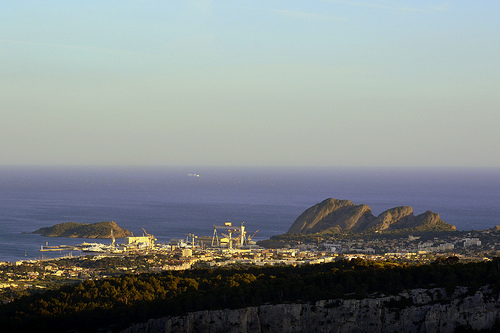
<point>84,230</point>
<point>344,216</point>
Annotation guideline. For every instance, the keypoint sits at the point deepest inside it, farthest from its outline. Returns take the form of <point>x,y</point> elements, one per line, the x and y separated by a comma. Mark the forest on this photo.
<point>117,302</point>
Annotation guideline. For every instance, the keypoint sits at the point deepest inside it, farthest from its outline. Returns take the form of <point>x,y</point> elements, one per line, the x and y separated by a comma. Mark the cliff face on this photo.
<point>418,310</point>
<point>344,215</point>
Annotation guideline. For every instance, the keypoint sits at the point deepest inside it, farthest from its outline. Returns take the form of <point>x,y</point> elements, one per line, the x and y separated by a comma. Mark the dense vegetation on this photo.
<point>336,234</point>
<point>119,301</point>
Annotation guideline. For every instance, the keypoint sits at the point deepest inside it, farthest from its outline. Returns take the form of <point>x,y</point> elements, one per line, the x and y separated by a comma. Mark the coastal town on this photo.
<point>143,255</point>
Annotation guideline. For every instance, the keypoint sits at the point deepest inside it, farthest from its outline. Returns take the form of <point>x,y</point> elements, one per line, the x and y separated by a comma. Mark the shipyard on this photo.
<point>226,237</point>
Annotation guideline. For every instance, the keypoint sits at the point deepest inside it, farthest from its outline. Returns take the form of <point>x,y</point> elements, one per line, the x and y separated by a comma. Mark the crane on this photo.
<point>193,236</point>
<point>112,240</point>
<point>250,238</point>
<point>229,229</point>
<point>231,238</point>
<point>151,237</point>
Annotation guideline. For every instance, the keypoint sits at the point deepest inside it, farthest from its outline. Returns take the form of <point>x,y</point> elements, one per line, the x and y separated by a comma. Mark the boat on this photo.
<point>95,247</point>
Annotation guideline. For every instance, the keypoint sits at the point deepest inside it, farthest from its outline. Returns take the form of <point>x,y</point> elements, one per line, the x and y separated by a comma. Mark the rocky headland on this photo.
<point>84,230</point>
<point>343,215</point>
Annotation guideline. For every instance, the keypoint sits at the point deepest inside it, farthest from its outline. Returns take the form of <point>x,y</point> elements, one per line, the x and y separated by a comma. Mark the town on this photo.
<point>233,249</point>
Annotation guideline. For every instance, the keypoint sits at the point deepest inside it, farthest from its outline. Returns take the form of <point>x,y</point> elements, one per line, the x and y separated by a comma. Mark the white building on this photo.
<point>139,242</point>
<point>471,242</point>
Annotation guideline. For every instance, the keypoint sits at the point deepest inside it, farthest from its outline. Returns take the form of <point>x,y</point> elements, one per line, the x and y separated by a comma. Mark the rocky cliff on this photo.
<point>419,310</point>
<point>345,215</point>
<point>84,230</point>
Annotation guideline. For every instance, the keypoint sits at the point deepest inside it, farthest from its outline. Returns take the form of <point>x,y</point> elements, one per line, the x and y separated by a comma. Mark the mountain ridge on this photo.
<point>343,215</point>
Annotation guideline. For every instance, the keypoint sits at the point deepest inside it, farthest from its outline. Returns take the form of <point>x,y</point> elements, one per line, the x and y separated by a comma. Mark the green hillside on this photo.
<point>84,230</point>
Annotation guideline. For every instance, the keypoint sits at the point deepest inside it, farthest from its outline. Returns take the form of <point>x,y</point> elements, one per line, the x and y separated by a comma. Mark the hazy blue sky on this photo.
<point>326,83</point>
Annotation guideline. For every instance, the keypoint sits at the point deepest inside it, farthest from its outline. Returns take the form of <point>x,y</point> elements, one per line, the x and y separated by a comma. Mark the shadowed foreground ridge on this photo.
<point>373,296</point>
<point>417,310</point>
<point>343,215</point>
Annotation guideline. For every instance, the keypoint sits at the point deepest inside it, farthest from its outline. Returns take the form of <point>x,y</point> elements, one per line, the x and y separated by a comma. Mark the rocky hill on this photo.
<point>343,215</point>
<point>84,230</point>
<point>417,310</point>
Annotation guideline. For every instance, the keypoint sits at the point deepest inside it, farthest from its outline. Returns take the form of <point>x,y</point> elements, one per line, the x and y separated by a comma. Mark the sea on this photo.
<point>172,202</point>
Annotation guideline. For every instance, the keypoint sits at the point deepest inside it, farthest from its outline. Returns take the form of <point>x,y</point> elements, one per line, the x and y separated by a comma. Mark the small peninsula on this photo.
<point>343,215</point>
<point>84,230</point>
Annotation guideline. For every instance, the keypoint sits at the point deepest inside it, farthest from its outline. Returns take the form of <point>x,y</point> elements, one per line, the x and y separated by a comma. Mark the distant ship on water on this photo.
<point>193,175</point>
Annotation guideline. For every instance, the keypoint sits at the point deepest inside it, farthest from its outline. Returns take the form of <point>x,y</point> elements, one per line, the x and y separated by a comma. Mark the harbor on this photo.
<point>225,237</point>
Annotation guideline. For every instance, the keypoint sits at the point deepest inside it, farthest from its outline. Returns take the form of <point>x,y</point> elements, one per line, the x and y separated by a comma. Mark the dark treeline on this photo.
<point>338,234</point>
<point>117,302</point>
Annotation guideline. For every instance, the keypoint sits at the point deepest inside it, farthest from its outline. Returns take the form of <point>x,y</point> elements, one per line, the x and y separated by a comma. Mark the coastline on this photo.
<point>169,204</point>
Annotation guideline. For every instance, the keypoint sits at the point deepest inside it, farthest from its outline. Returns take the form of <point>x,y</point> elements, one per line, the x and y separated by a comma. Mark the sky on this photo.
<point>250,83</point>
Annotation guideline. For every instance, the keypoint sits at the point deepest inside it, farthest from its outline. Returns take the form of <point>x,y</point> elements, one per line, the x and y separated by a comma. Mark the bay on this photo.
<point>170,202</point>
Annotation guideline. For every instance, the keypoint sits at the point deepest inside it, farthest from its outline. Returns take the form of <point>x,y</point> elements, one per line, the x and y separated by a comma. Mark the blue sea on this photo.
<point>170,202</point>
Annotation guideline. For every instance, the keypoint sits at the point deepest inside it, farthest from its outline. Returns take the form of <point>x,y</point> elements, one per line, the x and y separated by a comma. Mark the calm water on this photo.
<point>170,204</point>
